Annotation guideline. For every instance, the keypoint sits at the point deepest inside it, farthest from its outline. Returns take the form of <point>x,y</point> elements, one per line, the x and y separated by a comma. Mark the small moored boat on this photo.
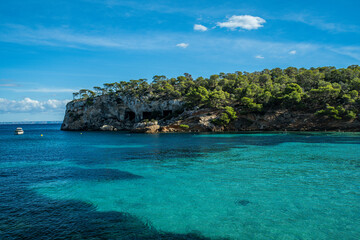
<point>19,131</point>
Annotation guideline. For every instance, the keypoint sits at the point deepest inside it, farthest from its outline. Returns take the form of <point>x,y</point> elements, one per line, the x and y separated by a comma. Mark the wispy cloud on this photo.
<point>156,41</point>
<point>292,52</point>
<point>53,37</point>
<point>46,90</point>
<point>259,57</point>
<point>145,5</point>
<point>182,45</point>
<point>269,48</point>
<point>68,38</point>
<point>7,85</point>
<point>63,37</point>
<point>243,21</point>
<point>14,86</point>
<point>167,7</point>
<point>200,28</point>
<point>321,23</point>
<point>30,105</point>
<point>350,51</point>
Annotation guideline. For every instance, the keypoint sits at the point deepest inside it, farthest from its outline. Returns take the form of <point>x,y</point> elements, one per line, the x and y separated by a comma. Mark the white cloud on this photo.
<point>292,52</point>
<point>199,27</point>
<point>182,45</point>
<point>30,105</point>
<point>259,57</point>
<point>243,21</point>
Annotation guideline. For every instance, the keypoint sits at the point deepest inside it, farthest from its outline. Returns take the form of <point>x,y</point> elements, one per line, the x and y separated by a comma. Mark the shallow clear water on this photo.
<point>104,185</point>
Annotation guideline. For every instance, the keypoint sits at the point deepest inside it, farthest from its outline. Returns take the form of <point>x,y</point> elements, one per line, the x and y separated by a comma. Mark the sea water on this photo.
<point>119,185</point>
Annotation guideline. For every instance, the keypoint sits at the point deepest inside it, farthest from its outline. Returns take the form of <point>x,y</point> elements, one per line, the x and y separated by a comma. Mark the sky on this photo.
<point>50,49</point>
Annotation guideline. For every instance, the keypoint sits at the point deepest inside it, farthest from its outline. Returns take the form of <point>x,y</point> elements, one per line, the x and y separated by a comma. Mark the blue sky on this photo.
<point>48,49</point>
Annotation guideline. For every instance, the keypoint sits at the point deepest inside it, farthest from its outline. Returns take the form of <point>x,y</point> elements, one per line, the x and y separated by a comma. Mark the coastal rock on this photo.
<point>112,112</point>
<point>120,112</point>
<point>146,127</point>
<point>108,128</point>
<point>152,129</point>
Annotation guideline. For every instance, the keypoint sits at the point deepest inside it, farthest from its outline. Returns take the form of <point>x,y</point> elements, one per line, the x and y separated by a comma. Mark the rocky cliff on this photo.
<point>112,113</point>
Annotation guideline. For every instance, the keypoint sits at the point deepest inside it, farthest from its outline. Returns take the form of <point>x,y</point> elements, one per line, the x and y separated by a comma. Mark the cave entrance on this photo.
<point>147,115</point>
<point>129,115</point>
<point>167,113</point>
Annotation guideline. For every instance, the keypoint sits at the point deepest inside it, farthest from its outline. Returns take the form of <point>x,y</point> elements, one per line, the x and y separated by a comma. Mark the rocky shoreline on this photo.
<point>116,113</point>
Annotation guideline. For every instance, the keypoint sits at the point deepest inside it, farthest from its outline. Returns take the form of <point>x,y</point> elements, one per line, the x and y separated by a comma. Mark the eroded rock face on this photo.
<point>111,112</point>
<point>119,112</point>
<point>285,120</point>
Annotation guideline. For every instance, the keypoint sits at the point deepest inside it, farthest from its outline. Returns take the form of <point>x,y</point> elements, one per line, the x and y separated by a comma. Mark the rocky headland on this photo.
<point>112,112</point>
<point>291,99</point>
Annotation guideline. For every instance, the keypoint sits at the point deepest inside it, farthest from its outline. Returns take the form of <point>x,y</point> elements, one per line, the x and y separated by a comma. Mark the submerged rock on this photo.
<point>243,202</point>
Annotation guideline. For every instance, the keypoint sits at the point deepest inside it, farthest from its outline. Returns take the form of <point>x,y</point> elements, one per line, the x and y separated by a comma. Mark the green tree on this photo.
<point>324,94</point>
<point>251,105</point>
<point>199,95</point>
<point>217,98</point>
<point>231,113</point>
<point>75,95</point>
<point>292,94</point>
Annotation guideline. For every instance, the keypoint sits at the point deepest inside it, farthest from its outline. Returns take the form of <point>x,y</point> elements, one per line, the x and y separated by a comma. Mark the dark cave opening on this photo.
<point>167,113</point>
<point>129,115</point>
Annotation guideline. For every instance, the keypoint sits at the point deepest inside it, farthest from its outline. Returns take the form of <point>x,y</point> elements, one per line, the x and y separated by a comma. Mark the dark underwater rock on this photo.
<point>243,202</point>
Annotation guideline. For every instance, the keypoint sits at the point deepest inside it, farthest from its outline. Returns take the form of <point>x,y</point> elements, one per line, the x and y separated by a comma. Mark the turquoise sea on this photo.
<point>112,185</point>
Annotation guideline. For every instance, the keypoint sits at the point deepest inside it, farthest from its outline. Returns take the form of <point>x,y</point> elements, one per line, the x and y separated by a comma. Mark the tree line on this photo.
<point>324,90</point>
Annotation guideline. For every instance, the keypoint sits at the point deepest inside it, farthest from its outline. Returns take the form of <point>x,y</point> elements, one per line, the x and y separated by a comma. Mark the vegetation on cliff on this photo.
<point>325,91</point>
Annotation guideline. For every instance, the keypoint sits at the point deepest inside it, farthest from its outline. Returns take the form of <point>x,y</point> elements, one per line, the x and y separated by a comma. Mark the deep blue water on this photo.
<point>110,185</point>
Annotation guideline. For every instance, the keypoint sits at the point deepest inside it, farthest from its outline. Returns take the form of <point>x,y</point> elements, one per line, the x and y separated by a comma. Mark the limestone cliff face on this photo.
<point>120,112</point>
<point>112,112</point>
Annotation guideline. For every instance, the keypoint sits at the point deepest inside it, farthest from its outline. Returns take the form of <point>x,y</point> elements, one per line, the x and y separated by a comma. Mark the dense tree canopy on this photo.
<point>324,90</point>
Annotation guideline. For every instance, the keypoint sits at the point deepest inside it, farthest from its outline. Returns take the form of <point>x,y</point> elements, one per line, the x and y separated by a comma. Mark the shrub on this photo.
<point>89,101</point>
<point>338,112</point>
<point>350,115</point>
<point>231,113</point>
<point>226,117</point>
<point>249,103</point>
<point>223,120</point>
<point>184,126</point>
<point>330,111</point>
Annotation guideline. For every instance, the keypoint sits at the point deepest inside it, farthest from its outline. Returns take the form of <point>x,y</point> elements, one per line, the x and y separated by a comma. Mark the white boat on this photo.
<point>19,131</point>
